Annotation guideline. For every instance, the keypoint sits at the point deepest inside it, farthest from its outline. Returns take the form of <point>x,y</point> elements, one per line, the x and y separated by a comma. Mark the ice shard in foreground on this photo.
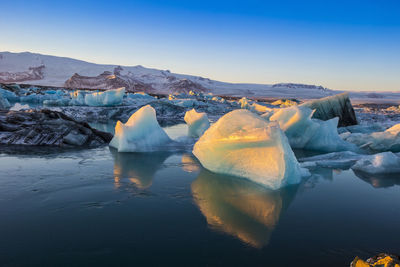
<point>243,144</point>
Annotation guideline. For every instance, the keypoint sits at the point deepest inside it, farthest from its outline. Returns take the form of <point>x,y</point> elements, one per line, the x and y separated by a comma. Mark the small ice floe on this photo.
<point>243,144</point>
<point>336,160</point>
<point>382,163</point>
<point>285,103</point>
<point>198,123</point>
<point>253,106</point>
<point>9,95</point>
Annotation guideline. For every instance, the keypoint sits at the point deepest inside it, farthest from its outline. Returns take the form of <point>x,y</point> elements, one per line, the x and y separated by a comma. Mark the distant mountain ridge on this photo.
<point>38,69</point>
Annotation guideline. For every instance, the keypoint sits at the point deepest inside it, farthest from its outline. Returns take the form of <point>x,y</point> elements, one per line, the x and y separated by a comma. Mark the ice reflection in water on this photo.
<point>190,163</point>
<point>379,180</point>
<point>240,207</point>
<point>139,168</point>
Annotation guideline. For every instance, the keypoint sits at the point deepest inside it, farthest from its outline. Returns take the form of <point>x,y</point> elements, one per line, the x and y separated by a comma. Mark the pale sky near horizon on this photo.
<point>348,45</point>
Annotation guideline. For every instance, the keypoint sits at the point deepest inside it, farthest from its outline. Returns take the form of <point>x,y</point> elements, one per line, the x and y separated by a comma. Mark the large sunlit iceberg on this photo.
<point>198,122</point>
<point>141,133</point>
<point>106,98</point>
<point>243,144</point>
<point>311,134</point>
<point>382,163</point>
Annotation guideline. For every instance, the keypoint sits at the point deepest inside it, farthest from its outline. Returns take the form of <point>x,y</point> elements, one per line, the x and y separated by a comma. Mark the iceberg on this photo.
<point>382,163</point>
<point>9,95</point>
<point>141,133</point>
<point>197,122</point>
<point>244,103</point>
<point>141,96</point>
<point>4,104</point>
<point>310,134</point>
<point>106,98</point>
<point>243,144</point>
<point>388,140</point>
<point>333,106</point>
<point>283,103</point>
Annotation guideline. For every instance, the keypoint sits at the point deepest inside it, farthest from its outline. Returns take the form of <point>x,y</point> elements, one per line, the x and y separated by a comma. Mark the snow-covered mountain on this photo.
<point>37,69</point>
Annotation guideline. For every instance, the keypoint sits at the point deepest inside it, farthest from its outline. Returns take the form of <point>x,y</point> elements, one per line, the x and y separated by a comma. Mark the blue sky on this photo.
<point>352,45</point>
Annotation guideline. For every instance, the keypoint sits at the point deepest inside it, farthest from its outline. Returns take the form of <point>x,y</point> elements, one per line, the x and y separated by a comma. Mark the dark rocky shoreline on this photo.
<point>49,128</point>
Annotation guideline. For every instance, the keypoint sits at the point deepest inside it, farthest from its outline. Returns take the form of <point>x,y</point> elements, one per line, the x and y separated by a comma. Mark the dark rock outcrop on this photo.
<point>108,80</point>
<point>299,85</point>
<point>33,73</point>
<point>381,259</point>
<point>334,106</point>
<point>185,86</point>
<point>167,113</point>
<point>46,127</point>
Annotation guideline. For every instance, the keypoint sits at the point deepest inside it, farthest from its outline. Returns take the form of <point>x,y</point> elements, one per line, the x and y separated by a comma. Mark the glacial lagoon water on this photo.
<point>98,207</point>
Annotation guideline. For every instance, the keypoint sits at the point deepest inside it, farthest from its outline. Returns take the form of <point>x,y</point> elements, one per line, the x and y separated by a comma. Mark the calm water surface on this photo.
<point>100,207</point>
